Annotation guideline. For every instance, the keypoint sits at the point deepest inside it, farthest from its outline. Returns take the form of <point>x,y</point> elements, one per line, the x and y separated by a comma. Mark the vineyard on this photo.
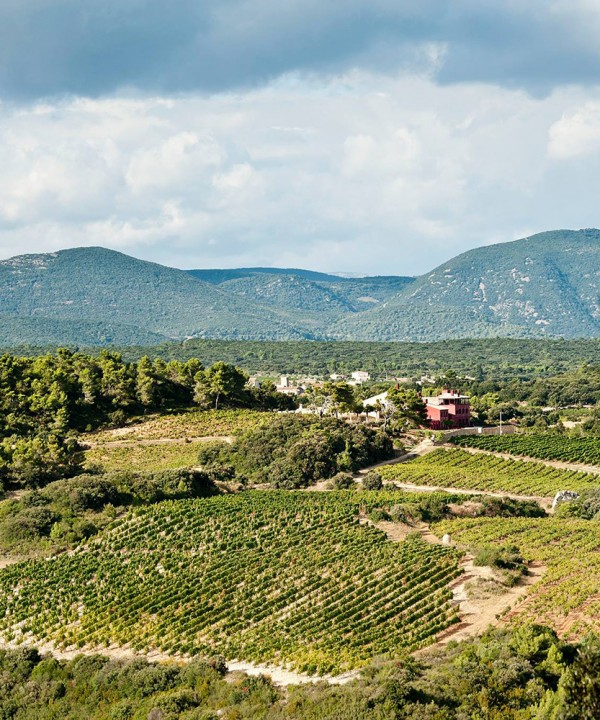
<point>291,578</point>
<point>166,442</point>
<point>195,424</point>
<point>585,450</point>
<point>144,457</point>
<point>568,595</point>
<point>461,469</point>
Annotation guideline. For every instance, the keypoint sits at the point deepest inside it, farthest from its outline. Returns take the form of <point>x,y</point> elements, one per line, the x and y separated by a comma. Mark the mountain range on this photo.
<point>546,285</point>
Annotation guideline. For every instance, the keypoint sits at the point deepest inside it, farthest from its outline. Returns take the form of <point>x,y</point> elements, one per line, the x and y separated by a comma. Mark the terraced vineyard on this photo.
<point>274,576</point>
<point>585,450</point>
<point>568,595</point>
<point>461,469</point>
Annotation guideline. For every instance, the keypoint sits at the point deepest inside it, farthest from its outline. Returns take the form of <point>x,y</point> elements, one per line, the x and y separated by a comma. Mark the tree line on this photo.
<point>46,400</point>
<point>510,674</point>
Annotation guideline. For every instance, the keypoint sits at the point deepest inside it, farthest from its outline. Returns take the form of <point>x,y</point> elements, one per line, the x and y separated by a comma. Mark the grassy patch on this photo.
<point>164,456</point>
<point>195,424</point>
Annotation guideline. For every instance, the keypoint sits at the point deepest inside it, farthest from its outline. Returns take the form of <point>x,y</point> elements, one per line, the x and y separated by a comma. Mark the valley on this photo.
<point>306,547</point>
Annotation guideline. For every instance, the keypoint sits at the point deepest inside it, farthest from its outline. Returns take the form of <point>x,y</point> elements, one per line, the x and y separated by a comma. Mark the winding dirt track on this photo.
<point>476,614</point>
<point>159,441</point>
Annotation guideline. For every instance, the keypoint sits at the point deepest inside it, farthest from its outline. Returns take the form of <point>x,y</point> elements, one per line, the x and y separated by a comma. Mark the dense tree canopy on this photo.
<point>295,451</point>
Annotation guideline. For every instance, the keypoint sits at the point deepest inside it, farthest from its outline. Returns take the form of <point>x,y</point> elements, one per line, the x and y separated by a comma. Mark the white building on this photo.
<point>360,376</point>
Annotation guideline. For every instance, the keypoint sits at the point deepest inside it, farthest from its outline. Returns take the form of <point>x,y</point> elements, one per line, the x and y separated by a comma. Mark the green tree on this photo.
<point>220,383</point>
<point>581,682</point>
<point>408,407</point>
<point>342,397</point>
<point>146,383</point>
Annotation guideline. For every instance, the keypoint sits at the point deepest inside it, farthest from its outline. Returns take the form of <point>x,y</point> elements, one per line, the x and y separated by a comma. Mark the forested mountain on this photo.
<point>305,289</point>
<point>100,287</point>
<point>547,285</point>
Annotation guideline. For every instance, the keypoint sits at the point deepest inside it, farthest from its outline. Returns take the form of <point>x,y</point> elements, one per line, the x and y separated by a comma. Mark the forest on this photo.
<point>520,674</point>
<point>500,358</point>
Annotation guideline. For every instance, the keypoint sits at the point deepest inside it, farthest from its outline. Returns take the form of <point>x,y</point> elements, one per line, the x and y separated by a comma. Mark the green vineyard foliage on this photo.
<point>292,578</point>
<point>461,469</point>
<point>584,450</point>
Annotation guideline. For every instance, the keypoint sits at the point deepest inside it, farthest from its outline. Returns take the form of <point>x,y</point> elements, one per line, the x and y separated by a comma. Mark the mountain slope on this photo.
<point>304,289</point>
<point>49,331</point>
<point>547,284</point>
<point>544,285</point>
<point>103,286</point>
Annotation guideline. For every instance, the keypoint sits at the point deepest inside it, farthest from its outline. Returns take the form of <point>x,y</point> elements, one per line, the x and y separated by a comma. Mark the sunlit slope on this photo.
<point>275,576</point>
<point>547,284</point>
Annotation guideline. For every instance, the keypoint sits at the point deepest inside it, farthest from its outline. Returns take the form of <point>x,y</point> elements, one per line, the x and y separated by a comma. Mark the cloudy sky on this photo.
<point>376,136</point>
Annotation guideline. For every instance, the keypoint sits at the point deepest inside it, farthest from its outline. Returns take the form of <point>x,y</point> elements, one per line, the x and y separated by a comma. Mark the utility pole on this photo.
<point>500,423</point>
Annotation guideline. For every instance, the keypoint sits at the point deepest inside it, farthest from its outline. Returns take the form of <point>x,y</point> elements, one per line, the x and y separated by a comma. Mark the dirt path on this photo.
<point>476,613</point>
<point>424,447</point>
<point>558,464</point>
<point>545,502</point>
<point>159,441</point>
<point>279,675</point>
<point>6,561</point>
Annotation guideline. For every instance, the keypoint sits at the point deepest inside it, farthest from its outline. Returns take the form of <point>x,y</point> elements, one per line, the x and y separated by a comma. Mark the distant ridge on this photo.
<point>546,285</point>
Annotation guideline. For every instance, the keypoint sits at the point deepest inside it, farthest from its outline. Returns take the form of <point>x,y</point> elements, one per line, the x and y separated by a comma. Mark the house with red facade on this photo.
<point>448,410</point>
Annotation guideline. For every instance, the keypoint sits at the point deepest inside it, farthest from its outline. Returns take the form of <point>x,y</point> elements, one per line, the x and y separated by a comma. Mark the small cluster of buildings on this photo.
<point>447,411</point>
<point>287,387</point>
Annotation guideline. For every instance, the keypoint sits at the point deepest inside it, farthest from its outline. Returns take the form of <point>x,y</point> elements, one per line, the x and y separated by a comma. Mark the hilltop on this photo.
<point>547,285</point>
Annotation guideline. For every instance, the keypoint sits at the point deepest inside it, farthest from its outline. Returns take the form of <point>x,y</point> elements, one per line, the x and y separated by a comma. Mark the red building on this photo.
<point>448,410</point>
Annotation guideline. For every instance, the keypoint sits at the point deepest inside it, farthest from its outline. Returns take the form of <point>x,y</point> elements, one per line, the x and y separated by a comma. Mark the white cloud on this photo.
<point>363,173</point>
<point>173,162</point>
<point>576,134</point>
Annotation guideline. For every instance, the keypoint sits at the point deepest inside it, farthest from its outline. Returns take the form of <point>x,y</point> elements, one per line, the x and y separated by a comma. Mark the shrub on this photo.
<point>372,481</point>
<point>295,451</point>
<point>343,481</point>
<point>506,559</point>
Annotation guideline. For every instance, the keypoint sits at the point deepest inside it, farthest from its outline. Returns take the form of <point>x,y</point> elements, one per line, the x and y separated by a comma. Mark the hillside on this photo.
<point>547,285</point>
<point>306,290</point>
<point>99,286</point>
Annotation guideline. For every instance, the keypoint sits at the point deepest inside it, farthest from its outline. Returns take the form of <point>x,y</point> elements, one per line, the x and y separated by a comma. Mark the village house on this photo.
<point>359,377</point>
<point>448,410</point>
<point>287,388</point>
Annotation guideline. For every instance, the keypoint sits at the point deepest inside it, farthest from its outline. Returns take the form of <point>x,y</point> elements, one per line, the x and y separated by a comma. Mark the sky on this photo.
<point>364,136</point>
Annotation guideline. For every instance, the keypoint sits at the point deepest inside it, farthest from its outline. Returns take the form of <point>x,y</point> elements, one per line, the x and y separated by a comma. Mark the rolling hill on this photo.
<point>547,285</point>
<point>98,286</point>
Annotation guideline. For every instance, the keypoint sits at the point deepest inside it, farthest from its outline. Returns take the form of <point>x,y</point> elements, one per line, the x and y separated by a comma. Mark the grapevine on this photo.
<point>461,469</point>
<point>284,577</point>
